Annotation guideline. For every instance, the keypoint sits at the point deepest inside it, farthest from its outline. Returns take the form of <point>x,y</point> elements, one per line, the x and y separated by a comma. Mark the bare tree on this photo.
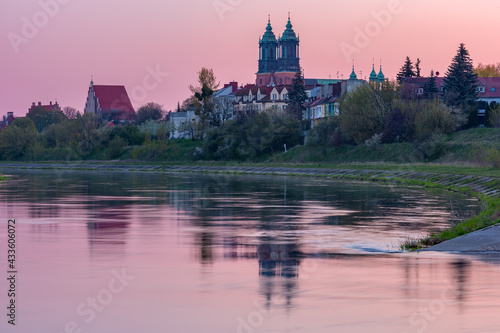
<point>70,112</point>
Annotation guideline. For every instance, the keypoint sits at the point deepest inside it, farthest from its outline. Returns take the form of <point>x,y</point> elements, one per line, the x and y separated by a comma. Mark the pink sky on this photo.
<point>121,42</point>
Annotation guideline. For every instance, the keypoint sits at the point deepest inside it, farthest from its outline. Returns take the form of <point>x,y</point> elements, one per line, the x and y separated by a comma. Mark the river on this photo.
<point>150,252</point>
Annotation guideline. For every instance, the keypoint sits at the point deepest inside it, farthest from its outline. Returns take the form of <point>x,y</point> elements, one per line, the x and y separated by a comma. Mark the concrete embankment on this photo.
<point>486,240</point>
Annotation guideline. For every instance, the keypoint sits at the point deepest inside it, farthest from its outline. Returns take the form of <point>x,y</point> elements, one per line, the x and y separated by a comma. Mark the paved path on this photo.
<point>481,241</point>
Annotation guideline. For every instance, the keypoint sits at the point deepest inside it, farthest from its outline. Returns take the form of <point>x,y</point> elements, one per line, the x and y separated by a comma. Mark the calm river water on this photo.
<point>139,252</point>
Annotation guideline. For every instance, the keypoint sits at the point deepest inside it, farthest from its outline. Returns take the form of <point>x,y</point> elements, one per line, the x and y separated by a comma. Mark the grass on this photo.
<point>489,215</point>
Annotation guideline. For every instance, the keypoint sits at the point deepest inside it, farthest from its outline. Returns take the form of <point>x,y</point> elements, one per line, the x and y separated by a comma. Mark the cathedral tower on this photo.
<point>278,59</point>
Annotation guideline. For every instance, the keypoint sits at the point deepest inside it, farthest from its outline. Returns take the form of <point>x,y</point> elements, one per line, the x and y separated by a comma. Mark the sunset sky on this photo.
<point>51,48</point>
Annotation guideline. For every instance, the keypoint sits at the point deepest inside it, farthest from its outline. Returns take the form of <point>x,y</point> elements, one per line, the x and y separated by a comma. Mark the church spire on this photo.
<point>373,74</point>
<point>353,74</point>
<point>380,76</point>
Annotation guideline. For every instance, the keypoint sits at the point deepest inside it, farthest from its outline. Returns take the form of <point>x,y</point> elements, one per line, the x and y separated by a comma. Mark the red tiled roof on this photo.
<point>113,98</point>
<point>489,83</point>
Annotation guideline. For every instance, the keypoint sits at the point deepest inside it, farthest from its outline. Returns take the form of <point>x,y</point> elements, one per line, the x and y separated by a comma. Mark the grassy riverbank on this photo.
<point>489,215</point>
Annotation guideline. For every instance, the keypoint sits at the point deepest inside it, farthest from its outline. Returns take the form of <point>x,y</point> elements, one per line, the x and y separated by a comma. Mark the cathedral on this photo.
<point>278,57</point>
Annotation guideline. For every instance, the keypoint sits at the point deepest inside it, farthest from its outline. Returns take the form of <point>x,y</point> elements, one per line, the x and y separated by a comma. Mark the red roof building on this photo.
<point>110,102</point>
<point>49,107</point>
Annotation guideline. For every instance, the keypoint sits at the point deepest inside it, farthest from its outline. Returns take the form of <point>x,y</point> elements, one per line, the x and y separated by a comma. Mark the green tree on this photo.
<point>435,118</point>
<point>361,114</point>
<point>297,96</point>
<point>460,81</point>
<point>18,140</point>
<point>150,111</point>
<point>321,134</point>
<point>206,77</point>
<point>431,90</point>
<point>407,70</point>
<point>202,98</point>
<point>487,70</point>
<point>42,117</point>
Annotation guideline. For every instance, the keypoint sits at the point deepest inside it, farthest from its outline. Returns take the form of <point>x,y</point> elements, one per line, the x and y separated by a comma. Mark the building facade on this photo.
<point>110,102</point>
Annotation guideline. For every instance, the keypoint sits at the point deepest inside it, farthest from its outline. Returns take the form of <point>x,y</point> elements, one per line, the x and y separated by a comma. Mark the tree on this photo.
<point>70,112</point>
<point>417,68</point>
<point>223,108</point>
<point>202,100</point>
<point>361,114</point>
<point>487,70</point>
<point>435,118</point>
<point>321,134</point>
<point>18,140</point>
<point>43,117</point>
<point>149,111</point>
<point>460,82</point>
<point>206,77</point>
<point>431,90</point>
<point>297,96</point>
<point>406,71</point>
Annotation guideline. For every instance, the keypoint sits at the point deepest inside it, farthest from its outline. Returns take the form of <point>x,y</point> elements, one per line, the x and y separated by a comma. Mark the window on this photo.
<point>480,89</point>
<point>258,96</point>
<point>420,91</point>
<point>261,81</point>
<point>245,98</point>
<point>493,89</point>
<point>275,96</point>
<point>283,107</point>
<point>285,96</point>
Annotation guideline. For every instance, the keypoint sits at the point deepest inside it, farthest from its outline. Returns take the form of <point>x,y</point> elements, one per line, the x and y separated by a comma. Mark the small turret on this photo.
<point>353,74</point>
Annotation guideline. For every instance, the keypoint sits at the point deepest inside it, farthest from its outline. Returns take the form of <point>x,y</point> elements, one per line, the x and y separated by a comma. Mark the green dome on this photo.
<point>353,75</point>
<point>373,74</point>
<point>380,76</point>
<point>289,34</point>
<point>269,34</point>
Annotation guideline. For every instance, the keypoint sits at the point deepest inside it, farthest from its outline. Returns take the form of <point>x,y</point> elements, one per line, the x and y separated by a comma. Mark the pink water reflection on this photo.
<point>270,268</point>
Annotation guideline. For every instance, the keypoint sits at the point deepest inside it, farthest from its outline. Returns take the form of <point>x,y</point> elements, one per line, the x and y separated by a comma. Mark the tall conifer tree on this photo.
<point>407,70</point>
<point>460,82</point>
<point>297,95</point>
<point>431,89</point>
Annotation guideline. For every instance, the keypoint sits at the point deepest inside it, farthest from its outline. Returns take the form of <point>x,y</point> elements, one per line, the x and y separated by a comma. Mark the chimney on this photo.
<point>10,114</point>
<point>33,104</point>
<point>39,103</point>
<point>234,85</point>
<point>50,103</point>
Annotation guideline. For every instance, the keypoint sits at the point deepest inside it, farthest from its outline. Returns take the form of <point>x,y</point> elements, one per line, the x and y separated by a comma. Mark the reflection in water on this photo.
<point>211,246</point>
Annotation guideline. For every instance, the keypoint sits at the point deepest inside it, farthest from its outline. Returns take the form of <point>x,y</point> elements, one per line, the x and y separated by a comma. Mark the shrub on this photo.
<point>435,118</point>
<point>362,113</point>
<point>374,142</point>
<point>116,148</point>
